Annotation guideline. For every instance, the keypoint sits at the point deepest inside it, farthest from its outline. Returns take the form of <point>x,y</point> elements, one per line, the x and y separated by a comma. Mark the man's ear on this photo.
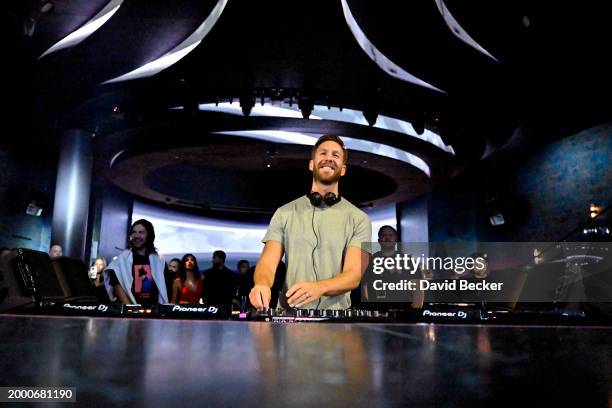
<point>343,170</point>
<point>311,165</point>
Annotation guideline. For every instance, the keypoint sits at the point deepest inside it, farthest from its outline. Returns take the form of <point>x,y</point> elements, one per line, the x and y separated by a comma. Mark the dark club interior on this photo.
<point>332,202</point>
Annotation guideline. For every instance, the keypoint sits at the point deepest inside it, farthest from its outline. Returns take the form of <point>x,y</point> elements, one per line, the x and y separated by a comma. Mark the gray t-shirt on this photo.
<point>314,256</point>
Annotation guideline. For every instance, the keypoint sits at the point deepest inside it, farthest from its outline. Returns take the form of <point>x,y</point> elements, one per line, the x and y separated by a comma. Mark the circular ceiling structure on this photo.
<point>234,174</point>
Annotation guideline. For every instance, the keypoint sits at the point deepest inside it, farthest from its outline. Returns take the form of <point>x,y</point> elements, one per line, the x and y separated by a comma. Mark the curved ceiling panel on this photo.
<point>352,144</point>
<point>378,57</point>
<point>329,113</point>
<point>178,52</point>
<point>459,31</point>
<point>137,34</point>
<point>214,177</point>
<point>87,29</point>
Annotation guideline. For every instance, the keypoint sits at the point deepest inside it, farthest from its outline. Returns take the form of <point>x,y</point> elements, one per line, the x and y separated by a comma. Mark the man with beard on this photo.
<point>137,275</point>
<point>383,299</point>
<point>387,238</point>
<point>320,235</point>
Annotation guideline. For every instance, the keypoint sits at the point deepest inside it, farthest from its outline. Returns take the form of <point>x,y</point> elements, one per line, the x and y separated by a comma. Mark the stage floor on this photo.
<point>141,362</point>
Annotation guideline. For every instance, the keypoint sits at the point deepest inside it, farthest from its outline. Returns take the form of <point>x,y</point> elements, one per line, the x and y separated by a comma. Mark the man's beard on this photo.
<point>327,179</point>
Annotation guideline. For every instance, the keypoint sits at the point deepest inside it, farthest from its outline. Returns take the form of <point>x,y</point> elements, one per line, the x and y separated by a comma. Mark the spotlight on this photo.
<point>370,114</point>
<point>418,123</point>
<point>434,119</point>
<point>306,105</point>
<point>277,97</point>
<point>191,106</point>
<point>247,103</point>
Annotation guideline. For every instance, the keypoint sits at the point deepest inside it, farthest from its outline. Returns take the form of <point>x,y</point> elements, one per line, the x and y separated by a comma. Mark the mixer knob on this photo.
<point>338,313</point>
<point>376,313</point>
<point>312,313</point>
<point>301,312</point>
<point>349,313</point>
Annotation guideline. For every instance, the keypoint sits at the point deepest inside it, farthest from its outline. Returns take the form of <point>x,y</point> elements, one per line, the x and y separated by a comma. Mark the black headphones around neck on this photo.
<point>329,199</point>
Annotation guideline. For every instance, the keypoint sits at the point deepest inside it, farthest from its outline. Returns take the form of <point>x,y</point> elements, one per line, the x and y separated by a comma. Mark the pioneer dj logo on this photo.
<point>87,308</point>
<point>209,309</point>
<point>452,315</point>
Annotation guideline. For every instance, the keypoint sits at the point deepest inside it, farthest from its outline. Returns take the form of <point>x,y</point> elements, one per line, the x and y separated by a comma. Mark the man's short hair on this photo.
<point>242,262</point>
<point>331,138</point>
<point>220,254</point>
<point>380,230</point>
<point>175,260</point>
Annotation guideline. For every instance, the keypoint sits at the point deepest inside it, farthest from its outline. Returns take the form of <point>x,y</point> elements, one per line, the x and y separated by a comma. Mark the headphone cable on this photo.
<point>314,268</point>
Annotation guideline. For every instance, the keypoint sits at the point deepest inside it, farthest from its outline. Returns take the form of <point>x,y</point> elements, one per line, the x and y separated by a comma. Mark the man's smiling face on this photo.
<point>327,164</point>
<point>139,236</point>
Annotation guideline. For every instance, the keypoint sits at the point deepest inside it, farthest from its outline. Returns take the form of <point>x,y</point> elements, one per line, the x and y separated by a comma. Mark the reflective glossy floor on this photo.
<point>137,362</point>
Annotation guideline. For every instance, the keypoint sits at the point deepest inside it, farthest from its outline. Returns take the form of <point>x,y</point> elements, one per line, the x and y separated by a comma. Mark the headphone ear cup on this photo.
<point>331,199</point>
<point>315,198</point>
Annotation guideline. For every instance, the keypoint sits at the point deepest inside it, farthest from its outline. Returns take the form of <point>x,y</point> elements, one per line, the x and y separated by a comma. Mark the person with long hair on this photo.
<point>98,282</point>
<point>137,275</point>
<point>187,288</point>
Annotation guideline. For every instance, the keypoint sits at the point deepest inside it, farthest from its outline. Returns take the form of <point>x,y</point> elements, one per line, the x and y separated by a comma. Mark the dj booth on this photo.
<point>34,284</point>
<point>210,355</point>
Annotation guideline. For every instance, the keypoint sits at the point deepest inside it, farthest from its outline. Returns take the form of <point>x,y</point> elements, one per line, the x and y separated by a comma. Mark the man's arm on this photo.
<point>121,295</point>
<point>264,274</point>
<point>355,262</point>
<point>176,288</point>
<point>117,289</point>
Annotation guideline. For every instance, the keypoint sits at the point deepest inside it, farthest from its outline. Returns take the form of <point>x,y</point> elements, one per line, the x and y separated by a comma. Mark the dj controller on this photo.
<point>61,287</point>
<point>429,313</point>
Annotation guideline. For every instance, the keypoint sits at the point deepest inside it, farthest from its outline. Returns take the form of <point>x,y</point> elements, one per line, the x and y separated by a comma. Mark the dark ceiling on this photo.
<point>551,76</point>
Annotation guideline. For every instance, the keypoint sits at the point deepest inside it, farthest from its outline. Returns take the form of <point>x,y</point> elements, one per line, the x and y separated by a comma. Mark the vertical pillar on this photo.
<point>413,220</point>
<point>72,189</point>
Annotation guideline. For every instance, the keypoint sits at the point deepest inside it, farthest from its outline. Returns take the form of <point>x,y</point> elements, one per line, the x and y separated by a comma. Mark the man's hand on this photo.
<point>304,292</point>
<point>260,297</point>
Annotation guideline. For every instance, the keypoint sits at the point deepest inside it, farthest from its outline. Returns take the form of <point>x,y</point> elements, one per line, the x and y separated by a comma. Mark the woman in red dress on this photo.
<point>187,287</point>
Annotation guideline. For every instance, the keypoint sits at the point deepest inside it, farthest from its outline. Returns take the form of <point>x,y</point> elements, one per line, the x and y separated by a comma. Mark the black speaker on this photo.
<point>31,277</point>
<point>38,275</point>
<point>13,287</point>
<point>73,277</point>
